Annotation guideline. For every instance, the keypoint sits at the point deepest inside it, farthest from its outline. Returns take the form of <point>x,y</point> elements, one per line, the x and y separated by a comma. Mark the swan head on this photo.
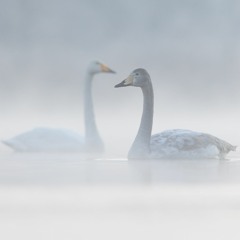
<point>97,67</point>
<point>138,78</point>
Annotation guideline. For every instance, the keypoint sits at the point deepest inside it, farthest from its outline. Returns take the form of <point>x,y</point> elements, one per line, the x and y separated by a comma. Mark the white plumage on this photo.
<point>185,144</point>
<point>46,139</point>
<point>170,144</point>
<point>56,139</point>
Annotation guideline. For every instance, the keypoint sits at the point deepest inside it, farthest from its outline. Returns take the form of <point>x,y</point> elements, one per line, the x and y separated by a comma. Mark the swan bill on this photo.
<point>121,84</point>
<point>127,82</point>
<point>106,69</point>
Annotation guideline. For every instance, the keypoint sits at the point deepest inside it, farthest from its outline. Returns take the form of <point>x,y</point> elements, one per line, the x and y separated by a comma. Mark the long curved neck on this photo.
<point>92,137</point>
<point>141,146</point>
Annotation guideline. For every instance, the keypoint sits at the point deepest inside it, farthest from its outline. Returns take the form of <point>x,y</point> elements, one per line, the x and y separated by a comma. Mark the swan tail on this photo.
<point>225,148</point>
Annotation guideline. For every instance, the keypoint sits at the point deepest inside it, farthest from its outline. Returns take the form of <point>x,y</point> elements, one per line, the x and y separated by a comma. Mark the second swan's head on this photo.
<point>97,67</point>
<point>138,78</point>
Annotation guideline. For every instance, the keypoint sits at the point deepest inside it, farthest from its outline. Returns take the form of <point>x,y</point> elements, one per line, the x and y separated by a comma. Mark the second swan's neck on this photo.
<point>141,146</point>
<point>93,140</point>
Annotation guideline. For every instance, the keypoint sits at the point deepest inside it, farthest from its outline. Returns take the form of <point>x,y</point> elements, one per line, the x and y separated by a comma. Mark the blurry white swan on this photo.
<point>173,144</point>
<point>50,139</point>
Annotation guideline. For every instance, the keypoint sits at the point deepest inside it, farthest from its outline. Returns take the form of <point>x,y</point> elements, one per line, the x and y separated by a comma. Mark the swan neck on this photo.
<point>141,145</point>
<point>92,136</point>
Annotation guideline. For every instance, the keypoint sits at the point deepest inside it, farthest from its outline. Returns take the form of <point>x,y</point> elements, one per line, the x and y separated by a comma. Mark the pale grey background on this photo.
<point>190,48</point>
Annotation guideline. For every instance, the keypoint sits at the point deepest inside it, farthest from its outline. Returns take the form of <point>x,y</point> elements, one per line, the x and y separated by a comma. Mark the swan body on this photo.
<point>184,144</point>
<point>170,144</point>
<point>55,139</point>
<point>46,139</point>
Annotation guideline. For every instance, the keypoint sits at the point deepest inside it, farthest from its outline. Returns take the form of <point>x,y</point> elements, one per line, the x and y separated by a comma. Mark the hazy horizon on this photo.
<point>191,50</point>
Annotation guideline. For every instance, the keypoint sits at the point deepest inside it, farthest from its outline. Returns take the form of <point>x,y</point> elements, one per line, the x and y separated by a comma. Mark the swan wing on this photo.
<point>181,143</point>
<point>46,139</point>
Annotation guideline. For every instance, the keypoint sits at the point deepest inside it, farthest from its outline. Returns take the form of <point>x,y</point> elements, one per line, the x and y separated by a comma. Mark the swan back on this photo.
<point>46,139</point>
<point>185,144</point>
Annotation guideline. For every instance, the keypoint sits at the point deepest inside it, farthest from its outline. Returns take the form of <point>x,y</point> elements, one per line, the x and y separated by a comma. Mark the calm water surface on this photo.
<point>69,196</point>
<point>75,169</point>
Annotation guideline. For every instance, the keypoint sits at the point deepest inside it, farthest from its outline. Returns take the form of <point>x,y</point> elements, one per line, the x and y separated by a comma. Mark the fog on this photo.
<point>190,48</point>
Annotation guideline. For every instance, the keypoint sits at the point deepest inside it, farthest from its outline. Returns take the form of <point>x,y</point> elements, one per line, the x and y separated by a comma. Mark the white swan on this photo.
<point>50,139</point>
<point>170,144</point>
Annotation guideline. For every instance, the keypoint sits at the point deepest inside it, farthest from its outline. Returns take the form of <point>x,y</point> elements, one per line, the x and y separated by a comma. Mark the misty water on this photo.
<point>191,50</point>
<point>20,169</point>
<point>74,196</point>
